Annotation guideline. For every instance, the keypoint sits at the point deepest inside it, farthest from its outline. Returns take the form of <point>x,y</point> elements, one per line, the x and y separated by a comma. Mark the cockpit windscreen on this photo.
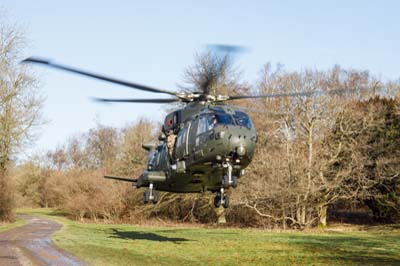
<point>242,119</point>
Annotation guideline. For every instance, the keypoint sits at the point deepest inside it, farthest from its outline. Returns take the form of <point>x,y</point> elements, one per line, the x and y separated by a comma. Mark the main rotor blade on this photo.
<point>48,63</point>
<point>293,94</point>
<point>227,48</point>
<point>135,100</point>
<point>254,110</point>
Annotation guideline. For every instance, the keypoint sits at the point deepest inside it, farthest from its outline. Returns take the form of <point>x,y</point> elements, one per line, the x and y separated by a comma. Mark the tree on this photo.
<point>133,157</point>
<point>285,180</point>
<point>364,157</point>
<point>20,109</point>
<point>102,146</point>
<point>212,73</point>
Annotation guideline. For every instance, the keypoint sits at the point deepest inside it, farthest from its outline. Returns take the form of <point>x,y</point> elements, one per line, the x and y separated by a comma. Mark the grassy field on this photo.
<point>109,244</point>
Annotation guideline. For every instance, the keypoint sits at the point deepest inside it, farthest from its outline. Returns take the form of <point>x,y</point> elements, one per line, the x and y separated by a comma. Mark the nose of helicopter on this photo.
<point>242,141</point>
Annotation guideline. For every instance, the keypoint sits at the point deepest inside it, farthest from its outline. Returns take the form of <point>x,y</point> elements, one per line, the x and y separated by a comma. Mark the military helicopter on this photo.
<point>204,146</point>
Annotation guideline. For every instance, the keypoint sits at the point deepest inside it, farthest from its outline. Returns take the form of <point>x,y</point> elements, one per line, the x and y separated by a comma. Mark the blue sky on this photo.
<point>151,42</point>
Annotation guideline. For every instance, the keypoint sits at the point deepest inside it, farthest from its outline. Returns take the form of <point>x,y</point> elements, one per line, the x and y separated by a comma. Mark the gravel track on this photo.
<point>31,244</point>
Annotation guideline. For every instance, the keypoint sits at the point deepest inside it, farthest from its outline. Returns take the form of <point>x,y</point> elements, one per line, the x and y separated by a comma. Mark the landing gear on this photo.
<point>226,202</point>
<point>233,182</point>
<point>146,197</point>
<point>150,195</point>
<point>221,198</point>
<point>229,179</point>
<point>217,201</point>
<point>155,197</point>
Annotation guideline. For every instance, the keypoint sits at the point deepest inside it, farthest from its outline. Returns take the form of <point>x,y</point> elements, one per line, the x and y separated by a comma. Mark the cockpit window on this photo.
<point>202,126</point>
<point>242,119</point>
<point>224,119</point>
<point>212,120</point>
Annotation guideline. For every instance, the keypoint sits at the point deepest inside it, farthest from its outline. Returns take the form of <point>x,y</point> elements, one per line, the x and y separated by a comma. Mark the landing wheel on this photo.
<point>217,201</point>
<point>226,202</point>
<point>235,181</point>
<point>146,197</point>
<point>155,197</point>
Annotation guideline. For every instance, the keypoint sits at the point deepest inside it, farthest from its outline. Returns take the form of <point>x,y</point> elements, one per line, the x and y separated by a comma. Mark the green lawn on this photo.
<point>108,244</point>
<point>5,227</point>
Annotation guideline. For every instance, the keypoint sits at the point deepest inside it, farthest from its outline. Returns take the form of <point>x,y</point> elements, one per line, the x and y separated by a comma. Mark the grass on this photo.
<point>8,226</point>
<point>109,244</point>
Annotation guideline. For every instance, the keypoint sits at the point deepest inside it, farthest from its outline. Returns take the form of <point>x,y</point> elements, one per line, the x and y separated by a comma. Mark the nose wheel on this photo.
<point>150,195</point>
<point>221,199</point>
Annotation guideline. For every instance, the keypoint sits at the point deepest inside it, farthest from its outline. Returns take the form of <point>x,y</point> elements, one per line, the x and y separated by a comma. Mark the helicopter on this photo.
<point>204,146</point>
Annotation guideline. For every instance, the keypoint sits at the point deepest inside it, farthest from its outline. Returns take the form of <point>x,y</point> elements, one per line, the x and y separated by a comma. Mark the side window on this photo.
<point>157,159</point>
<point>194,127</point>
<point>202,126</point>
<point>211,121</point>
<point>181,137</point>
<point>192,135</point>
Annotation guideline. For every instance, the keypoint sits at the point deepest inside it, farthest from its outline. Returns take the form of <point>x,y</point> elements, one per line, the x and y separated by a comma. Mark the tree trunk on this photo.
<point>322,216</point>
<point>303,215</point>
<point>6,198</point>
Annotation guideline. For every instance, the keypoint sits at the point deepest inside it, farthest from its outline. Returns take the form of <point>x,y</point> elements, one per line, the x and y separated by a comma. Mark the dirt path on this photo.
<point>31,245</point>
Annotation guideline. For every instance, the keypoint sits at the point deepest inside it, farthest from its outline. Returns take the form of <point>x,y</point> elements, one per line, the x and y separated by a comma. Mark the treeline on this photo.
<point>315,155</point>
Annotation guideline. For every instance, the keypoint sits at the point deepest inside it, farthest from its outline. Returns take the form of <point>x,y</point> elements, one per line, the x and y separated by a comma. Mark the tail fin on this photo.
<point>119,178</point>
<point>149,146</point>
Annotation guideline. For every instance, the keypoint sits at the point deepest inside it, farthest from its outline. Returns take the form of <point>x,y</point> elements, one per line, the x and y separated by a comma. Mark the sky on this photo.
<point>152,42</point>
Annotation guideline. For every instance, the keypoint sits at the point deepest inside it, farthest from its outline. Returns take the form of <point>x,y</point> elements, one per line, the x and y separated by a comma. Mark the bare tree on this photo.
<point>289,187</point>
<point>212,73</point>
<point>20,109</point>
<point>133,157</point>
<point>102,146</point>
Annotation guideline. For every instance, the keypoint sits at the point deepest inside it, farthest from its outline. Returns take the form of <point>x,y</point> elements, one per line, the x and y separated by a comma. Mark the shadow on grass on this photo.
<point>137,235</point>
<point>58,213</point>
<point>382,227</point>
<point>197,230</point>
<point>8,257</point>
<point>352,249</point>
